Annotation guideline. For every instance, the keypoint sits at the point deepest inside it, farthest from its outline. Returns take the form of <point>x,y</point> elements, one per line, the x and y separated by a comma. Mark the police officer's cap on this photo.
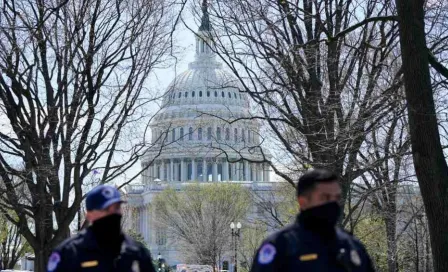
<point>311,178</point>
<point>102,197</point>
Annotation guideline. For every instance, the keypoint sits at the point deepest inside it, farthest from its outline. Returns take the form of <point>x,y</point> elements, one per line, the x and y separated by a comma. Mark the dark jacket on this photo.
<point>82,253</point>
<point>295,248</point>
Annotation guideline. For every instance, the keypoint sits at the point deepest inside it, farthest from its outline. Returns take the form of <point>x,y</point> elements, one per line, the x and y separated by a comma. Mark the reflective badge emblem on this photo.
<point>308,257</point>
<point>53,262</point>
<point>107,193</point>
<point>135,266</point>
<point>267,253</point>
<point>354,256</point>
<point>89,264</point>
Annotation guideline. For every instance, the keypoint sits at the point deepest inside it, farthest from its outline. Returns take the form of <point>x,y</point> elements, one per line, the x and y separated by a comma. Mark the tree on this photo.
<point>379,186</point>
<point>13,246</point>
<point>430,164</point>
<point>73,92</point>
<point>251,239</point>
<point>371,230</point>
<point>199,218</point>
<point>276,207</point>
<point>315,73</point>
<point>413,235</point>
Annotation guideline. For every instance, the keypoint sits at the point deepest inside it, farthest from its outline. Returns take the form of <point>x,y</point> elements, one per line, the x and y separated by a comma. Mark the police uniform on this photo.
<point>295,248</point>
<point>102,247</point>
<point>82,253</point>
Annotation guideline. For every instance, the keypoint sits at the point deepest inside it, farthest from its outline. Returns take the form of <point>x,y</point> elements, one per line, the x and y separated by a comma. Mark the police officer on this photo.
<point>314,242</point>
<point>102,246</point>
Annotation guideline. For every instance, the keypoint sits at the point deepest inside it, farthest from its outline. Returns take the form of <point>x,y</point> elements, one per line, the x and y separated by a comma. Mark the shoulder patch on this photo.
<point>266,254</point>
<point>53,261</point>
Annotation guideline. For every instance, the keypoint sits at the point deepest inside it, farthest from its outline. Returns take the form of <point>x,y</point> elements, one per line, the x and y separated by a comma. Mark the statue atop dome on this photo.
<point>205,20</point>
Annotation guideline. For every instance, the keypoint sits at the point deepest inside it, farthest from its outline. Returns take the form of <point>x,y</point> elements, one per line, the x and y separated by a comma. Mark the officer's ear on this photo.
<point>303,201</point>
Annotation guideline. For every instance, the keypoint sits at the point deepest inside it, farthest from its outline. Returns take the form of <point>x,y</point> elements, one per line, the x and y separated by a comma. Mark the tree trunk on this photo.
<point>391,229</point>
<point>41,258</point>
<point>429,161</point>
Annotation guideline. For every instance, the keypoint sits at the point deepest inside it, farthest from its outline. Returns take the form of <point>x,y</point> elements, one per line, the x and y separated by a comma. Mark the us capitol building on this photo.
<point>198,136</point>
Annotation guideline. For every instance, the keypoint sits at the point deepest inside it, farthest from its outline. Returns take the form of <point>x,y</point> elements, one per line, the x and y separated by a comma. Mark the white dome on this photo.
<point>205,82</point>
<point>196,125</point>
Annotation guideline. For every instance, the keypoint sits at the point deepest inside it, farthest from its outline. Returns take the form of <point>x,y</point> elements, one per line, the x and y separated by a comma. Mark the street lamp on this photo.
<point>235,235</point>
<point>159,262</point>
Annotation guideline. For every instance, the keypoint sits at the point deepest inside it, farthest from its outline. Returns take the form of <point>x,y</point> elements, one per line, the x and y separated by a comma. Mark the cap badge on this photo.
<point>107,193</point>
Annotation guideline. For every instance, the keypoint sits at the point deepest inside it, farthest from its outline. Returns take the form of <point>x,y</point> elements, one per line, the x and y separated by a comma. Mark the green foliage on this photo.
<point>13,245</point>
<point>371,230</point>
<point>251,239</point>
<point>199,216</point>
<point>137,236</point>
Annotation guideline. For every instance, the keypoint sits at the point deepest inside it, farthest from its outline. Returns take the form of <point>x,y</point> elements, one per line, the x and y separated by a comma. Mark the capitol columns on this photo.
<point>172,178</point>
<point>253,168</point>
<point>246,171</point>
<point>182,170</point>
<point>193,169</point>
<point>258,172</point>
<point>236,176</point>
<point>266,172</point>
<point>162,170</point>
<point>225,170</point>
<point>204,170</point>
<point>155,174</point>
<point>214,171</point>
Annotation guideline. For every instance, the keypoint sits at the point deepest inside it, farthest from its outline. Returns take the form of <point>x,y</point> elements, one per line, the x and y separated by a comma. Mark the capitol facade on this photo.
<point>202,133</point>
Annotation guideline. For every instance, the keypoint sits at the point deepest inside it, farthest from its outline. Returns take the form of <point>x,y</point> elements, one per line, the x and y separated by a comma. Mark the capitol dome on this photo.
<point>203,131</point>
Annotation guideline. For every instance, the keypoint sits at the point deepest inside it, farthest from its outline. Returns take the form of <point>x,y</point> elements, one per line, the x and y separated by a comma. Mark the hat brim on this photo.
<point>112,201</point>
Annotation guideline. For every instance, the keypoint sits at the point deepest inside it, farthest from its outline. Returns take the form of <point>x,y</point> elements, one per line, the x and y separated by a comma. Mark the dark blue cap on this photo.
<point>102,197</point>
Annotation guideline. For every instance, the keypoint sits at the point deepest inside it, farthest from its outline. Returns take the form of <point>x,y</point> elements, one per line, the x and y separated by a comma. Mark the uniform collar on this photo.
<point>90,242</point>
<point>324,234</point>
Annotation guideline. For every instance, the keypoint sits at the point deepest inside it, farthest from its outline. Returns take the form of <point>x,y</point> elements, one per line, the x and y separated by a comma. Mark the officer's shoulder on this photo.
<point>280,235</point>
<point>344,234</point>
<point>136,245</point>
<point>73,240</point>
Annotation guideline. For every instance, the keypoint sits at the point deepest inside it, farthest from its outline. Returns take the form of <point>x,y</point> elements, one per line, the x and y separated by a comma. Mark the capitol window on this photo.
<point>222,94</point>
<point>227,134</point>
<point>181,134</point>
<point>243,135</point>
<point>248,136</point>
<point>200,93</point>
<point>208,93</point>
<point>209,133</point>
<point>218,133</point>
<point>230,96</point>
<point>236,134</point>
<point>216,94</point>
<point>199,133</point>
<point>173,135</point>
<point>192,94</point>
<point>234,94</point>
<point>186,94</point>
<point>179,95</point>
<point>161,236</point>
<point>190,133</point>
<point>241,97</point>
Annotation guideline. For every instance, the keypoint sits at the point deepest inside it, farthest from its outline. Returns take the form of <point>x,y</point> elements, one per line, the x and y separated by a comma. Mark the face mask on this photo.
<point>107,230</point>
<point>324,216</point>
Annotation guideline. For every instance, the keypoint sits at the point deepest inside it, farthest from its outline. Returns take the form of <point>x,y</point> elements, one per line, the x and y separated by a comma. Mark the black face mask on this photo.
<point>107,231</point>
<point>321,218</point>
